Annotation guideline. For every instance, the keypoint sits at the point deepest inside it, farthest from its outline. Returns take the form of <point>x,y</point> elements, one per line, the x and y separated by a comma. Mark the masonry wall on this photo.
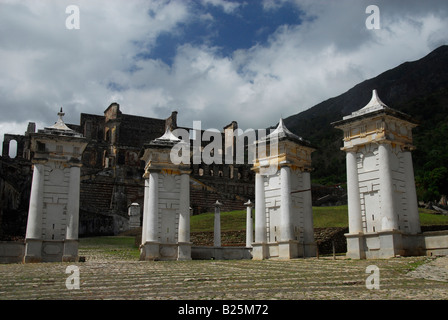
<point>55,200</point>
<point>369,187</point>
<point>169,196</point>
<point>15,188</point>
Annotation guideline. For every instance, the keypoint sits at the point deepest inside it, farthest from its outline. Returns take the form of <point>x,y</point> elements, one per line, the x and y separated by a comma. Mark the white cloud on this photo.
<point>227,6</point>
<point>47,63</point>
<point>44,65</point>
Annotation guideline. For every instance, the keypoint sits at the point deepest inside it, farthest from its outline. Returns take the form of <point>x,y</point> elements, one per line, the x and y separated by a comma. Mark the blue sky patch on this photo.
<point>246,26</point>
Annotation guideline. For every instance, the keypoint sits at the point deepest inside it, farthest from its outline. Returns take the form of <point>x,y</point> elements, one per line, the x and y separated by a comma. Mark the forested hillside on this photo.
<point>418,88</point>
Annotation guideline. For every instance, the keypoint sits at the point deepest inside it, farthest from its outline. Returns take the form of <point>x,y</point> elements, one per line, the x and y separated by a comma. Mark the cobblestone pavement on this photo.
<point>117,274</point>
<point>435,269</point>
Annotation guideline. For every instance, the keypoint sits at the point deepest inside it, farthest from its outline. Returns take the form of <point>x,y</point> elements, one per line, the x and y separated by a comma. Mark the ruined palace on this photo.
<point>111,173</point>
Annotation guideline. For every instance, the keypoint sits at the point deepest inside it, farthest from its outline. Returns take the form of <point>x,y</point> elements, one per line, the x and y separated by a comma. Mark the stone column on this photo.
<point>388,219</point>
<point>184,252</point>
<point>259,246</point>
<point>184,209</point>
<point>150,239</point>
<point>411,194</point>
<point>355,246</point>
<point>73,204</point>
<point>152,234</point>
<point>145,210</point>
<point>308,226</point>
<point>287,232</point>
<point>353,196</point>
<point>71,239</point>
<point>249,224</point>
<point>34,225</point>
<point>33,249</point>
<point>217,225</point>
<point>260,210</point>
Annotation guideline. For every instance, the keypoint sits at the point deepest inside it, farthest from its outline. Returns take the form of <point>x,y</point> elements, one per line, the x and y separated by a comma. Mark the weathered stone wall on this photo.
<point>15,188</point>
<point>12,251</point>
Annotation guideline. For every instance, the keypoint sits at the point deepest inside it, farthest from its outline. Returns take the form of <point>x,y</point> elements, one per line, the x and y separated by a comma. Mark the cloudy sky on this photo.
<point>252,61</point>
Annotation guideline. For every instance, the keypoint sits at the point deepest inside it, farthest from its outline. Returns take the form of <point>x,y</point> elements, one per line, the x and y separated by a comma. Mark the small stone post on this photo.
<point>134,215</point>
<point>249,224</point>
<point>217,225</point>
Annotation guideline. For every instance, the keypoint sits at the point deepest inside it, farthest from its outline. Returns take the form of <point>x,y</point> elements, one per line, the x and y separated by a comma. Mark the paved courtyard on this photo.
<point>116,273</point>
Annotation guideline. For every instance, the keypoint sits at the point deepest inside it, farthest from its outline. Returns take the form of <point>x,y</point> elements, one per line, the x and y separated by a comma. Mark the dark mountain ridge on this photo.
<point>418,88</point>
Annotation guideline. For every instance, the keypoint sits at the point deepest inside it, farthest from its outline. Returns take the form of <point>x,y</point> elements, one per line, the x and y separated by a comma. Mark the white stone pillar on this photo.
<point>152,219</point>
<point>145,210</point>
<point>287,231</point>
<point>308,225</point>
<point>73,204</point>
<point>33,249</point>
<point>71,237</point>
<point>184,245</point>
<point>260,210</point>
<point>388,219</point>
<point>353,197</point>
<point>184,209</point>
<point>34,224</point>
<point>411,194</point>
<point>249,224</point>
<point>217,225</point>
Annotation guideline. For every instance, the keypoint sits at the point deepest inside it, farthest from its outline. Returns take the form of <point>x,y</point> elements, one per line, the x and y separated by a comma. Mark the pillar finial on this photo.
<point>61,114</point>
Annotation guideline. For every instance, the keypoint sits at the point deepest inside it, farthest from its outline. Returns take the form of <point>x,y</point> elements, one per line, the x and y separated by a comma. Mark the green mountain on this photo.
<point>418,88</point>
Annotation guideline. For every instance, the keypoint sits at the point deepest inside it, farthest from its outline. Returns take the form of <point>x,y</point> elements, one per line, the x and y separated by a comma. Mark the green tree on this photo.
<point>432,184</point>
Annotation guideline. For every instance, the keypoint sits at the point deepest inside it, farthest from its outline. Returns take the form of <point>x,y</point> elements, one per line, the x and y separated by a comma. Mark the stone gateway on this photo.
<point>382,202</point>
<point>53,218</point>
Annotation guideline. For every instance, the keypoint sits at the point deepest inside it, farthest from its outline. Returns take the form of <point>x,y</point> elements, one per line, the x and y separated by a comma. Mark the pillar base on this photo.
<point>294,249</point>
<point>149,251</point>
<point>260,251</point>
<point>289,249</point>
<point>309,249</point>
<point>379,245</point>
<point>355,246</point>
<point>391,244</point>
<point>184,251</point>
<point>33,251</point>
<point>70,250</point>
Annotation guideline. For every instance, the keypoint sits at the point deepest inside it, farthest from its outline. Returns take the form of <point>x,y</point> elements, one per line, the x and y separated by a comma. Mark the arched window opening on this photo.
<point>12,153</point>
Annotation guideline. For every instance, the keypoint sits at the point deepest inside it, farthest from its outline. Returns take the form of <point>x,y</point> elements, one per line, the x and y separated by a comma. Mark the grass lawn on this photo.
<point>323,217</point>
<point>230,221</point>
<point>123,247</point>
<point>116,246</point>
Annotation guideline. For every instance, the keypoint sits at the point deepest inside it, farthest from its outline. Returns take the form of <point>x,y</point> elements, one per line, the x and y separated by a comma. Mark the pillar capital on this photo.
<point>39,161</point>
<point>350,149</point>
<point>249,204</point>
